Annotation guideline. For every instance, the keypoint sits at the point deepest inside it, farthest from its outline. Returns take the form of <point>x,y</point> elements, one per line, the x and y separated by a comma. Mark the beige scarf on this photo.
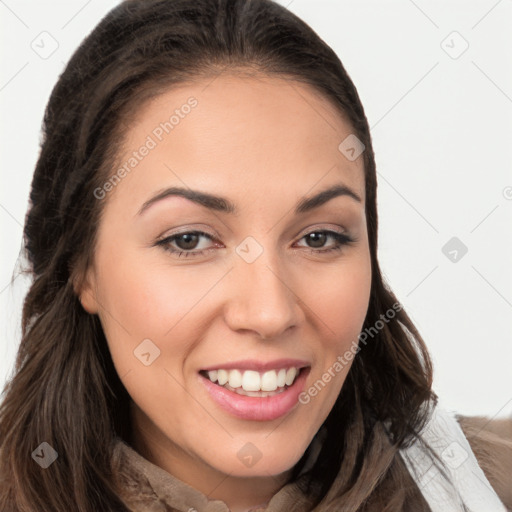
<point>466,484</point>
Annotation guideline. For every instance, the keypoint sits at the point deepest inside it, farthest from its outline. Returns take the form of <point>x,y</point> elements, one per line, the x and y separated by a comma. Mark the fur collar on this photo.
<point>149,488</point>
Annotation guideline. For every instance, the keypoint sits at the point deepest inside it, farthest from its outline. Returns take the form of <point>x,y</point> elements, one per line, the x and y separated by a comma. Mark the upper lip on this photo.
<point>259,366</point>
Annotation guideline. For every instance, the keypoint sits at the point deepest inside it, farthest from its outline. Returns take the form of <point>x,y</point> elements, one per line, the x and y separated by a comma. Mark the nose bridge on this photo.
<point>263,300</point>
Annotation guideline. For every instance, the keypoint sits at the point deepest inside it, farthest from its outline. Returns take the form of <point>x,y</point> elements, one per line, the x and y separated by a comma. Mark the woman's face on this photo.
<point>268,286</point>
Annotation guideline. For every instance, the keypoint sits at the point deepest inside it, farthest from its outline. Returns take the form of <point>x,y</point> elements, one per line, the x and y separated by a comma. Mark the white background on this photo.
<point>442,132</point>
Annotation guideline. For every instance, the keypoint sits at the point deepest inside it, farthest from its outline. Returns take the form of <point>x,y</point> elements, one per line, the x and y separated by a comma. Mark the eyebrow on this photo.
<point>224,205</point>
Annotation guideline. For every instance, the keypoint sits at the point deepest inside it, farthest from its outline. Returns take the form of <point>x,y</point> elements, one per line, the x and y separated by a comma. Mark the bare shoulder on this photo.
<point>491,442</point>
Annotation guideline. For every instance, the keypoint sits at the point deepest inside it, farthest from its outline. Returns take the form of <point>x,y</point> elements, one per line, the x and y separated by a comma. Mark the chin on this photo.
<point>251,461</point>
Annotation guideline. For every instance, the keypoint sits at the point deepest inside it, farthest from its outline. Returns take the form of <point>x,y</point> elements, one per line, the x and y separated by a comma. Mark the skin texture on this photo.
<point>264,143</point>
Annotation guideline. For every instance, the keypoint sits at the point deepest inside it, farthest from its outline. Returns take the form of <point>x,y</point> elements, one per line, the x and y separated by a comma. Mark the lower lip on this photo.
<point>257,408</point>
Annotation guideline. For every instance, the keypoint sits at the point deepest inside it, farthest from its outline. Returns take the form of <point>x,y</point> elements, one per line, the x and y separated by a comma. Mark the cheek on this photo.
<point>146,301</point>
<point>348,304</point>
<point>341,301</point>
<point>141,302</point>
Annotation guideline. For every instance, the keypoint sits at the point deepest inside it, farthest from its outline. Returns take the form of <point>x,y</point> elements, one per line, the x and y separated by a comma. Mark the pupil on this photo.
<point>190,240</point>
<point>317,238</point>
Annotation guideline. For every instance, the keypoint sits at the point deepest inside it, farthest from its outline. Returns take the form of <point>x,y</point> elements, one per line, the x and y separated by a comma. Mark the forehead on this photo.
<point>250,134</point>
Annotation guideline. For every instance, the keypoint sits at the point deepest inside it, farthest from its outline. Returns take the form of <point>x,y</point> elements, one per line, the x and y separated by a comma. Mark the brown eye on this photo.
<point>183,244</point>
<point>317,238</point>
<point>187,241</point>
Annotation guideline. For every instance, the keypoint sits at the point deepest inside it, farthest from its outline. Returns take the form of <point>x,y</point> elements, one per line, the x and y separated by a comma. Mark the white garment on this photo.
<point>466,486</point>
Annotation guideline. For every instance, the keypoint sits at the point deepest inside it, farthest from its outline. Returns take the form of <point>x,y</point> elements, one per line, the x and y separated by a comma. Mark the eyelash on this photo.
<point>341,239</point>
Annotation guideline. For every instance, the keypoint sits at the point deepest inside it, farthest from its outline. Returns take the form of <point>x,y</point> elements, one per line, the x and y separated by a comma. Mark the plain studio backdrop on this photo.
<point>436,83</point>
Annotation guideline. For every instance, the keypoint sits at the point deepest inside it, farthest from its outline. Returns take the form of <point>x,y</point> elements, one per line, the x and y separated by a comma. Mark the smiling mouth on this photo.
<point>252,383</point>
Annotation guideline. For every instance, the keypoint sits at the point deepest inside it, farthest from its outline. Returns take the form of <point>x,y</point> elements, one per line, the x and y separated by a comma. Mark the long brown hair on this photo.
<point>65,390</point>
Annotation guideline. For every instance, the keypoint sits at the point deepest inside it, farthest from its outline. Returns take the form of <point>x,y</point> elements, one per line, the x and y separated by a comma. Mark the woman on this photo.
<point>208,328</point>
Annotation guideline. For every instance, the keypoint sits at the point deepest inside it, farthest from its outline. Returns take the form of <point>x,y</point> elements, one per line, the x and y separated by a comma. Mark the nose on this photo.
<point>262,299</point>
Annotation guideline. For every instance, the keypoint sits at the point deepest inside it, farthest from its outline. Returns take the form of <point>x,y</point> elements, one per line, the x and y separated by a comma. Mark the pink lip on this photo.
<point>257,408</point>
<point>259,366</point>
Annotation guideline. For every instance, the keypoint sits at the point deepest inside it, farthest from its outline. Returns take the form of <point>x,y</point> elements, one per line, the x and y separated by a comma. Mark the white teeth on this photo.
<point>269,381</point>
<point>222,377</point>
<point>253,381</point>
<point>235,378</point>
<point>281,378</point>
<point>290,376</point>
